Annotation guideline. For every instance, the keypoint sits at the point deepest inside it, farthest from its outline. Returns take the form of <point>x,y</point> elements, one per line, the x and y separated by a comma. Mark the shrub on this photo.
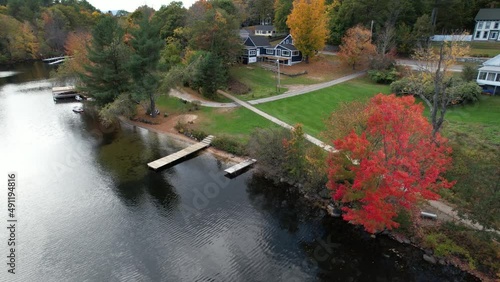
<point>382,62</point>
<point>465,92</point>
<point>469,72</point>
<point>180,127</point>
<point>229,145</point>
<point>384,76</point>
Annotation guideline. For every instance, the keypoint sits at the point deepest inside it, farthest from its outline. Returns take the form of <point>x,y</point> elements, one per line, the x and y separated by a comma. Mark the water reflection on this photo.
<point>92,211</point>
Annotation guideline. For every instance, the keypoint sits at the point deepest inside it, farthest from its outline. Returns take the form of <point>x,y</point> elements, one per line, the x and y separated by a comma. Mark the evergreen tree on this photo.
<point>143,64</point>
<point>106,76</point>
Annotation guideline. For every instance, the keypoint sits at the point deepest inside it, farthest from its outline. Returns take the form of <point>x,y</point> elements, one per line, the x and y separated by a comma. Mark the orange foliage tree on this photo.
<point>356,46</point>
<point>307,23</point>
<point>389,166</point>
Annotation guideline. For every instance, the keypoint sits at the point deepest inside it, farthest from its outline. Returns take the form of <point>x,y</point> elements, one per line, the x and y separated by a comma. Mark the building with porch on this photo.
<point>489,76</point>
<point>258,48</point>
<point>487,25</point>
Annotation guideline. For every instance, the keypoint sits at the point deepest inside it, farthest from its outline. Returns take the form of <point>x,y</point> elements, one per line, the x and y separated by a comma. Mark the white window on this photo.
<point>495,25</point>
<point>295,53</point>
<point>487,25</point>
<point>479,25</point>
<point>485,34</point>
<point>478,34</point>
<point>498,77</point>
<point>493,35</point>
<point>270,51</point>
<point>482,75</point>
<point>491,76</point>
<point>252,52</point>
<point>285,53</point>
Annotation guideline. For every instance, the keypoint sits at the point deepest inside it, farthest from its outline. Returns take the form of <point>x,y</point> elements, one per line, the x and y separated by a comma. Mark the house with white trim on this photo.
<point>489,76</point>
<point>265,30</point>
<point>487,25</point>
<point>257,48</point>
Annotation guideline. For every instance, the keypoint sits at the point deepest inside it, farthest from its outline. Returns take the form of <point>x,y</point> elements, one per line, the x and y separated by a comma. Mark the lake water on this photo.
<point>88,209</point>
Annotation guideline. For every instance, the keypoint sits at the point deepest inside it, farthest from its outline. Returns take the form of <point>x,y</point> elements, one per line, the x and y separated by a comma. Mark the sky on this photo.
<point>131,5</point>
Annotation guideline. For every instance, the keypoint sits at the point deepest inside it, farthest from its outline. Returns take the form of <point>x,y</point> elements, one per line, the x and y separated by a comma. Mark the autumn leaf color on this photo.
<point>389,166</point>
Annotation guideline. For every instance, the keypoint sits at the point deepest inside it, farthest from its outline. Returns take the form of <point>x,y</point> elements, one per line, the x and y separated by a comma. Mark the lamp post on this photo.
<point>278,85</point>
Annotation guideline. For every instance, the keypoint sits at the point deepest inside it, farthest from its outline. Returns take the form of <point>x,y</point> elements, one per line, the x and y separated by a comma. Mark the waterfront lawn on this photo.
<point>313,108</point>
<point>238,122</point>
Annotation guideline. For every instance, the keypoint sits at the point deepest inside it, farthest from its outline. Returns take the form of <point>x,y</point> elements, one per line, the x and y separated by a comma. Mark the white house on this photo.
<point>487,25</point>
<point>489,76</point>
<point>265,30</point>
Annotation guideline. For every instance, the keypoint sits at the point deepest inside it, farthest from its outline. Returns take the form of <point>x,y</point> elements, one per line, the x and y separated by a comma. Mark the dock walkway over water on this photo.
<point>240,166</point>
<point>181,154</point>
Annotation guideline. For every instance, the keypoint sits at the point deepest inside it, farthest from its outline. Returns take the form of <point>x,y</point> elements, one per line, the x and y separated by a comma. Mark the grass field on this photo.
<point>489,49</point>
<point>482,117</point>
<point>236,122</point>
<point>262,82</point>
<point>313,108</point>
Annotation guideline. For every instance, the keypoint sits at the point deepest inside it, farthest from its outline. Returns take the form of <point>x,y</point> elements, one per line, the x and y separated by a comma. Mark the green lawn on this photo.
<point>489,49</point>
<point>237,122</point>
<point>261,82</point>
<point>313,108</point>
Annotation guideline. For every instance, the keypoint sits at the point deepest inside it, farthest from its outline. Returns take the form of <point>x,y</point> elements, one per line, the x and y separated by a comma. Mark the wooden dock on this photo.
<point>64,92</point>
<point>181,154</point>
<point>240,166</point>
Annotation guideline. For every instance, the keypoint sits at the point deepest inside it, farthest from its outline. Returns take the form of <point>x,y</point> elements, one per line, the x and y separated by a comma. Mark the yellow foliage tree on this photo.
<point>356,46</point>
<point>307,23</point>
<point>434,67</point>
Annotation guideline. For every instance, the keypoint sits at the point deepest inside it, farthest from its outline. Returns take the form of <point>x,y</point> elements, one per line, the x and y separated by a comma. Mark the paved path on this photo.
<point>444,208</point>
<point>306,89</point>
<point>415,65</point>
<point>311,139</point>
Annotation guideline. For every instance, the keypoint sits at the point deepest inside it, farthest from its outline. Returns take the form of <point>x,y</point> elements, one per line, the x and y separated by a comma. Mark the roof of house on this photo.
<point>260,40</point>
<point>264,27</point>
<point>493,62</point>
<point>289,47</point>
<point>488,15</point>
<point>490,68</point>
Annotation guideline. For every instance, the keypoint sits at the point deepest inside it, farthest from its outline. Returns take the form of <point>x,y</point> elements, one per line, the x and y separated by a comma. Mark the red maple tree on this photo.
<point>389,166</point>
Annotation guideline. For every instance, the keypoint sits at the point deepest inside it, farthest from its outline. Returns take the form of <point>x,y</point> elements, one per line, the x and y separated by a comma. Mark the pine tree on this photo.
<point>106,76</point>
<point>143,64</point>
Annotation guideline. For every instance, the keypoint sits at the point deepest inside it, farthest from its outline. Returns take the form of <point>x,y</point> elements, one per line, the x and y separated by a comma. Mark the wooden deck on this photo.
<point>240,166</point>
<point>181,154</point>
<point>64,92</point>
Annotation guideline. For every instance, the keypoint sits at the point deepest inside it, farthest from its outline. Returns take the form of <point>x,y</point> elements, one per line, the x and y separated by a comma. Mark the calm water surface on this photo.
<point>90,210</point>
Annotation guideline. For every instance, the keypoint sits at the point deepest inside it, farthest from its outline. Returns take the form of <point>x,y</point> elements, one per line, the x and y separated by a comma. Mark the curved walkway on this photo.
<point>306,89</point>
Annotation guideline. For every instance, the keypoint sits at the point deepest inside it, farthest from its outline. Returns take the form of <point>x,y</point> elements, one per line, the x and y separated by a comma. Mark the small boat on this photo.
<point>77,109</point>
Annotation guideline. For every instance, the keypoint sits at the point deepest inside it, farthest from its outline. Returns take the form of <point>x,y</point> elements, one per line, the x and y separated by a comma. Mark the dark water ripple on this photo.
<point>90,210</point>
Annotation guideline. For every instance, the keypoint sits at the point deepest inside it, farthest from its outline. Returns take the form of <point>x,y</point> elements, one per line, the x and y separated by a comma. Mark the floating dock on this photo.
<point>181,154</point>
<point>64,92</point>
<point>234,169</point>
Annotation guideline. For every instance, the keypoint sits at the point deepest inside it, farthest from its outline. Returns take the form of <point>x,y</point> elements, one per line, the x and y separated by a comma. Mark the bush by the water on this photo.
<point>228,144</point>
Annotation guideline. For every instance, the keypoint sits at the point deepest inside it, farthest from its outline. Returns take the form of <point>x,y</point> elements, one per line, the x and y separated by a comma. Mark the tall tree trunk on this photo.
<point>153,106</point>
